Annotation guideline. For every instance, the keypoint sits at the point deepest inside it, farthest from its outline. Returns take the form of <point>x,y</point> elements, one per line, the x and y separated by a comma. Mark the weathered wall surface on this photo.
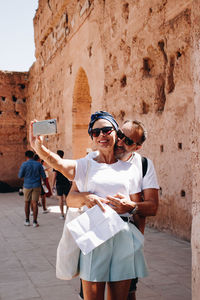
<point>195,149</point>
<point>13,141</point>
<point>132,59</point>
<point>59,84</point>
<point>147,67</point>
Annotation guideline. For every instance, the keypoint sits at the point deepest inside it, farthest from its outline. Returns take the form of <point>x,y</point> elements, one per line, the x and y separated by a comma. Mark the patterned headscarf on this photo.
<point>102,115</point>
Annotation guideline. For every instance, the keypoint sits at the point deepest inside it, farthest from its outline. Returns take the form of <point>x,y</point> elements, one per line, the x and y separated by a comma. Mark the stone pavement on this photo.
<point>28,257</point>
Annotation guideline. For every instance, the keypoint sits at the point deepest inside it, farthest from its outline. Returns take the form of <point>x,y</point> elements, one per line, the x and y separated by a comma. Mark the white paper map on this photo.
<point>94,227</point>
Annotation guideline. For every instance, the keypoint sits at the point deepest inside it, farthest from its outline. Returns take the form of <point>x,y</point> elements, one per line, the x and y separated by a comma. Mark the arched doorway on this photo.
<point>81,110</point>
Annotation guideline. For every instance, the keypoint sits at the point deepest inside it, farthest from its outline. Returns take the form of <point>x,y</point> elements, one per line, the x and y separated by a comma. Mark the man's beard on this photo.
<point>119,152</point>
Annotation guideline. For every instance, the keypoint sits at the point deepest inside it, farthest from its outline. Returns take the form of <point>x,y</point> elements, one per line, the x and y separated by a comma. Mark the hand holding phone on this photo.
<point>45,127</point>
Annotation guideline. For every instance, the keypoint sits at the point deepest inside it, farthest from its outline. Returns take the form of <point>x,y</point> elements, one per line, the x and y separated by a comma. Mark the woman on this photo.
<point>116,261</point>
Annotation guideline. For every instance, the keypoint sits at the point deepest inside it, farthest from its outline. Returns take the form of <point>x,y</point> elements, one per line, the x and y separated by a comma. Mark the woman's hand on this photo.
<point>79,199</point>
<point>92,199</point>
<point>35,141</point>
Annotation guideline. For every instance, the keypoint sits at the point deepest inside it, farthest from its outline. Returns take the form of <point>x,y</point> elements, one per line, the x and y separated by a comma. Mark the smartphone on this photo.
<point>45,127</point>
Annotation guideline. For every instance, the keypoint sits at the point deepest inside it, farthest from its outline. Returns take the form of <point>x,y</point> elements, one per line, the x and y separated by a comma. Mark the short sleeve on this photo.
<point>135,182</point>
<point>81,170</point>
<point>150,179</point>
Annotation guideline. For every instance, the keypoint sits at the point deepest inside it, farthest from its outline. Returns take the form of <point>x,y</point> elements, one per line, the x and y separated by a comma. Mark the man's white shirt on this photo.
<point>149,181</point>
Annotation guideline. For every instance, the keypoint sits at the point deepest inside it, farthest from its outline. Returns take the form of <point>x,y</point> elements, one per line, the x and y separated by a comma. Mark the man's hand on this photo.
<point>120,203</point>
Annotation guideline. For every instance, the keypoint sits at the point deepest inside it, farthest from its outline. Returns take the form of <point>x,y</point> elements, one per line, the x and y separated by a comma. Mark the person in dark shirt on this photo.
<point>63,186</point>
<point>31,171</point>
<point>43,185</point>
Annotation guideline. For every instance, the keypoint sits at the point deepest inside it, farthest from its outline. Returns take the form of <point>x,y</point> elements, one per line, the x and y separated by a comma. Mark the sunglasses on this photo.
<point>105,130</point>
<point>127,140</point>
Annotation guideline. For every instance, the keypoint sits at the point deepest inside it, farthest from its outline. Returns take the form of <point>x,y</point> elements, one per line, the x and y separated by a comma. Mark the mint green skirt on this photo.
<point>119,258</point>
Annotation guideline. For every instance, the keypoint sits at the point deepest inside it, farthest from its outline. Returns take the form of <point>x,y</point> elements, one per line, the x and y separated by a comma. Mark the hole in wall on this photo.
<point>183,193</point>
<point>180,146</point>
<point>161,148</point>
<point>90,51</point>
<point>125,11</point>
<point>161,45</point>
<point>24,100</point>
<point>134,39</point>
<point>147,66</point>
<point>14,99</point>
<point>160,189</point>
<point>178,54</point>
<point>1,153</point>
<point>3,98</point>
<point>22,86</point>
<point>1,112</point>
<point>122,114</point>
<point>70,69</point>
<point>16,112</point>
<point>106,89</point>
<point>145,107</point>
<point>123,81</point>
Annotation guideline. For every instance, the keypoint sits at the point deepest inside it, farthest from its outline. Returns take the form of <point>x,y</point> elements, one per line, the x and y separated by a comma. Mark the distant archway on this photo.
<point>80,115</point>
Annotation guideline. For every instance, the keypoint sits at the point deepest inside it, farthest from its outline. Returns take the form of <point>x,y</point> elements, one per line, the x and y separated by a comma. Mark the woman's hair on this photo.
<point>102,115</point>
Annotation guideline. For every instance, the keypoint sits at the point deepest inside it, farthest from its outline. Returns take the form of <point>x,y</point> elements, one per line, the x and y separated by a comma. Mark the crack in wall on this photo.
<point>170,77</point>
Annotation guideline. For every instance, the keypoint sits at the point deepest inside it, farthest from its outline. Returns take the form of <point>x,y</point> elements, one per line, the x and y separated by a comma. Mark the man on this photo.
<point>63,186</point>
<point>32,172</point>
<point>130,140</point>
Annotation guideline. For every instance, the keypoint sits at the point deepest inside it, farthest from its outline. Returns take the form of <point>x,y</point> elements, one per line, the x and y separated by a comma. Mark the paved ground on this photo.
<point>27,259</point>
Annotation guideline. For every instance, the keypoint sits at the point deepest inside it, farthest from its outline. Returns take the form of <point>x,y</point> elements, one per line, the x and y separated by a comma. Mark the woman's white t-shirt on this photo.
<point>107,179</point>
<point>149,181</point>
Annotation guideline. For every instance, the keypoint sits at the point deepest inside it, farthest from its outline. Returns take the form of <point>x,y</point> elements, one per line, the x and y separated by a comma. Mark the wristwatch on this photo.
<point>134,211</point>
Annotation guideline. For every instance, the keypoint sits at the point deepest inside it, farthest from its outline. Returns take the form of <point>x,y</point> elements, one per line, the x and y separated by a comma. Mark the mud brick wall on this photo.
<point>132,59</point>
<point>13,130</point>
<point>195,149</point>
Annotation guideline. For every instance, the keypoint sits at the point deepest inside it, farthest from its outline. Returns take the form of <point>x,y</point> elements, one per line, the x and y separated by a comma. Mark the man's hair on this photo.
<point>29,154</point>
<point>36,157</point>
<point>139,126</point>
<point>60,153</point>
